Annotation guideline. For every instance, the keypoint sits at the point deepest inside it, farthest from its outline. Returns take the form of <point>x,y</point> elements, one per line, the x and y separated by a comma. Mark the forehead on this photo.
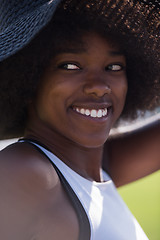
<point>83,42</point>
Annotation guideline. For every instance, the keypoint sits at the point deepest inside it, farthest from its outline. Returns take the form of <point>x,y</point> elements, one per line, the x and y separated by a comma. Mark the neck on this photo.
<point>86,161</point>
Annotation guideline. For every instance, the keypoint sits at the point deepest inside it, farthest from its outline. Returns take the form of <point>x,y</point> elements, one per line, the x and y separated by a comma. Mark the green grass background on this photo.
<point>143,199</point>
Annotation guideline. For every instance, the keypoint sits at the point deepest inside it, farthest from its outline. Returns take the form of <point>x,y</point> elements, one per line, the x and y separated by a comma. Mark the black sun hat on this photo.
<point>137,21</point>
<point>21,20</point>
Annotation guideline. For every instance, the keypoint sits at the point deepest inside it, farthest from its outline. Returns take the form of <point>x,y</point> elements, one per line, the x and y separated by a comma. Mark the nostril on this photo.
<point>98,89</point>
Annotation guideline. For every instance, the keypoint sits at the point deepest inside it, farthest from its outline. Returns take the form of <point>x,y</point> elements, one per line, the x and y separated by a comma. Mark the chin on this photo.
<point>93,142</point>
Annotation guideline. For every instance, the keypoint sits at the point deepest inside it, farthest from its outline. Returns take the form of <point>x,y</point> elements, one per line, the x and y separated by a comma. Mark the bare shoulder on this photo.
<point>28,183</point>
<point>21,162</point>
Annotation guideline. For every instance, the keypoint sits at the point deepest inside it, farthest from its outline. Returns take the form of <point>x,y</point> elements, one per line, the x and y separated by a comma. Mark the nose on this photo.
<point>96,87</point>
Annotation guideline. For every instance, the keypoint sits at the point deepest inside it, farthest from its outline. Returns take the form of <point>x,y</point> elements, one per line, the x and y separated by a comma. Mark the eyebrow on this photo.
<point>70,50</point>
<point>116,53</point>
<point>82,49</point>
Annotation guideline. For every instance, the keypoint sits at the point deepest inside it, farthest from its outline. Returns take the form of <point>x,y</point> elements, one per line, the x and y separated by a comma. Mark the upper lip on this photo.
<point>92,105</point>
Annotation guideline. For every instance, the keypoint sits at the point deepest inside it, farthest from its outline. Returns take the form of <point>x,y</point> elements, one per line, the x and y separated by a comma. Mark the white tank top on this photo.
<point>109,217</point>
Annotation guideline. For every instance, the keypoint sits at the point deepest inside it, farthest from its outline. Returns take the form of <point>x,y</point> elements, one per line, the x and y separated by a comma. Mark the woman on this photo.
<point>66,89</point>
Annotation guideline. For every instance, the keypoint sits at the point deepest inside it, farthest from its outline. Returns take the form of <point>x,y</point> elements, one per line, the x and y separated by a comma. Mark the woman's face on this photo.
<point>83,91</point>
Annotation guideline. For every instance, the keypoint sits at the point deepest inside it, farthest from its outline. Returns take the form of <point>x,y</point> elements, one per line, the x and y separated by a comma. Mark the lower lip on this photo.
<point>92,119</point>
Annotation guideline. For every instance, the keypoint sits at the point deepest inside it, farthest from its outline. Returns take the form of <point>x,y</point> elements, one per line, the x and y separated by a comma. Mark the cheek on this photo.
<point>124,90</point>
<point>120,92</point>
<point>120,89</point>
<point>53,99</point>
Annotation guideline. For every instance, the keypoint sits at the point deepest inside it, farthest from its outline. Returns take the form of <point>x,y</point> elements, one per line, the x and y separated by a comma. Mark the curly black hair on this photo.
<point>21,73</point>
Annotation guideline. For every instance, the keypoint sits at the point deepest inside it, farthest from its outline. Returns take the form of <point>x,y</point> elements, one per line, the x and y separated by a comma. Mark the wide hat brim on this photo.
<point>20,21</point>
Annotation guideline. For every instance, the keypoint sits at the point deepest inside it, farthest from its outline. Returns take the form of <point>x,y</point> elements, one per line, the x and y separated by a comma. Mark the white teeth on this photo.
<point>87,112</point>
<point>100,114</point>
<point>82,111</point>
<point>92,113</point>
<point>104,112</point>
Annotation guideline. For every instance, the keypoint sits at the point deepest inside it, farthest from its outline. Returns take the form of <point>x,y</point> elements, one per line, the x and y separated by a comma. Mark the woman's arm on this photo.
<point>133,155</point>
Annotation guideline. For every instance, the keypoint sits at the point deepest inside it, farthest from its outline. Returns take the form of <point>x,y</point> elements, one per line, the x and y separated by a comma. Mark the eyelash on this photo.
<point>73,67</point>
<point>67,66</point>
<point>119,67</point>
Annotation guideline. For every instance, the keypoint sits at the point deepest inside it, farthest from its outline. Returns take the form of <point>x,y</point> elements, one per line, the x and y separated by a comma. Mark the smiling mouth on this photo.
<point>94,113</point>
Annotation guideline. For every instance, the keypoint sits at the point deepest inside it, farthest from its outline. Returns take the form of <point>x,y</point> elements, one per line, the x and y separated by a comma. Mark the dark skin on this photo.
<point>33,202</point>
<point>131,156</point>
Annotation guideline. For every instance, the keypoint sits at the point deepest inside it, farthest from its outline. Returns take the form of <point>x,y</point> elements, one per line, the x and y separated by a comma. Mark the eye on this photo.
<point>116,67</point>
<point>69,66</point>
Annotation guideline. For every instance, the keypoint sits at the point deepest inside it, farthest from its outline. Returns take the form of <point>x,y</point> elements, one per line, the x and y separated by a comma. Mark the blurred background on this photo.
<point>143,199</point>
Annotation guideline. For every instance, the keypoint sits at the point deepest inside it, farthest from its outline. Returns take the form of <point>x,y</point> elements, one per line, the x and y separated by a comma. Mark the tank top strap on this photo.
<point>84,225</point>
